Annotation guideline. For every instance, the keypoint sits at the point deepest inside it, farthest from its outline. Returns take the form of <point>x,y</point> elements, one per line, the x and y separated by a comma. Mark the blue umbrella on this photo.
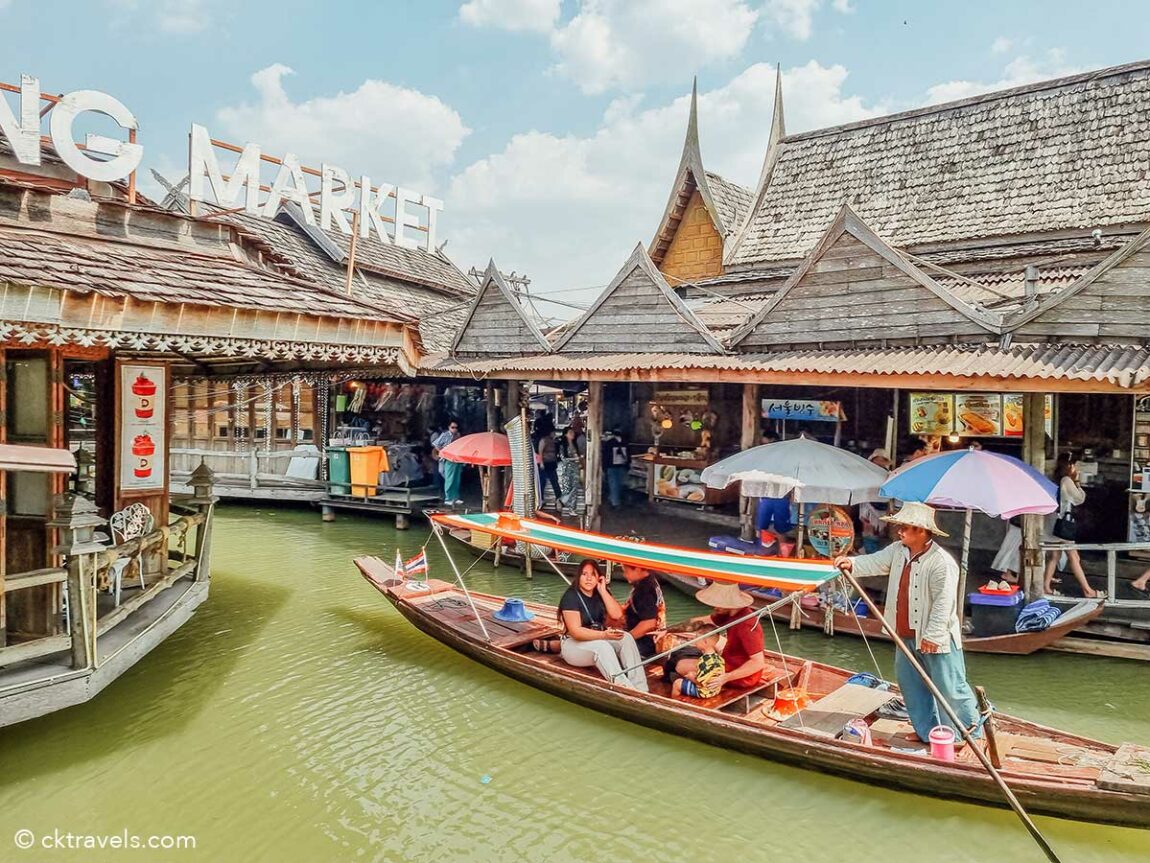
<point>998,485</point>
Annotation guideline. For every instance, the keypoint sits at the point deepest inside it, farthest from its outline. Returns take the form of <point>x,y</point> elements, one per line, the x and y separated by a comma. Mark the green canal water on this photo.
<point>299,717</point>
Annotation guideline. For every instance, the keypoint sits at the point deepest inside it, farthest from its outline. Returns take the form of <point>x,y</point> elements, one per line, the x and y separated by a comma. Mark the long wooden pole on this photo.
<point>748,438</point>
<point>594,490</point>
<point>351,250</point>
<point>962,729</point>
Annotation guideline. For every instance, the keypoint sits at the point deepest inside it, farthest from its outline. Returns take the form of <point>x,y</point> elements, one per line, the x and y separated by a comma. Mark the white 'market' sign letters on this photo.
<point>241,188</point>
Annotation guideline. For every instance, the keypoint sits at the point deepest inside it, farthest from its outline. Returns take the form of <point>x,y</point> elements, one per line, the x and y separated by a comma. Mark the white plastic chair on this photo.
<point>131,522</point>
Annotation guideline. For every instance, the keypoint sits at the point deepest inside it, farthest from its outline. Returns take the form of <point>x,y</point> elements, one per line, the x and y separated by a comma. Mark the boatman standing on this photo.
<point>921,606</point>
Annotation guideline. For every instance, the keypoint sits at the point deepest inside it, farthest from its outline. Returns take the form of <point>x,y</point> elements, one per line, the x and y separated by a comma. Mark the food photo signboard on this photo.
<point>931,413</point>
<point>143,421</point>
<point>979,414</point>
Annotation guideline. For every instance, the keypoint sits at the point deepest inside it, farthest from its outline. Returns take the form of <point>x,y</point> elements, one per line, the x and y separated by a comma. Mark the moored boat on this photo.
<point>1052,772</point>
<point>470,543</point>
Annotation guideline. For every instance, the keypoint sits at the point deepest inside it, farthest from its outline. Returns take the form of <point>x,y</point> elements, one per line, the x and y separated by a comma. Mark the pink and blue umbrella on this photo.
<point>998,485</point>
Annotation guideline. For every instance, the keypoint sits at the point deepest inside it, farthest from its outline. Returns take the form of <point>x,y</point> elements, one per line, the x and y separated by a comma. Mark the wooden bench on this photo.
<point>827,716</point>
<point>730,695</point>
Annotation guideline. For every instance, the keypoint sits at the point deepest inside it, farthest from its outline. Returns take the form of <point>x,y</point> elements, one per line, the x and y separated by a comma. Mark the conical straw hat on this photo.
<point>915,514</point>
<point>724,595</point>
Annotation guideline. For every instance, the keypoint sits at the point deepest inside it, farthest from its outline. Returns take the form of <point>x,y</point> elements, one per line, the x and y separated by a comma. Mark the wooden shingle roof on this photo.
<point>497,323</point>
<point>1072,153</point>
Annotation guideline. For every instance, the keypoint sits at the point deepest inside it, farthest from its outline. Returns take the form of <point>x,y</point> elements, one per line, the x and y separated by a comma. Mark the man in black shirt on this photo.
<point>644,611</point>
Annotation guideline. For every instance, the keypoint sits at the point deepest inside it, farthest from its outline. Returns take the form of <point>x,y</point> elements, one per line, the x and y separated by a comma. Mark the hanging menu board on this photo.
<point>1012,414</point>
<point>931,413</point>
<point>979,414</point>
<point>143,416</point>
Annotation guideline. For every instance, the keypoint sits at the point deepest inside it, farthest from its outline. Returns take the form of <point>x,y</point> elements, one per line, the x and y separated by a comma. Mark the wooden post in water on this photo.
<point>594,491</point>
<point>1034,454</point>
<point>493,492</point>
<point>749,437</point>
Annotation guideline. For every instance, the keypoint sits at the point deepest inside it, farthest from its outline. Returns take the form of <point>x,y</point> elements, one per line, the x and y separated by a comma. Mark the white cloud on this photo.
<point>1021,70</point>
<point>793,17</point>
<point>392,133</point>
<point>568,209</point>
<point>538,15</point>
<point>628,43</point>
<point>843,7</point>
<point>1002,45</point>
<point>182,16</point>
<point>178,17</point>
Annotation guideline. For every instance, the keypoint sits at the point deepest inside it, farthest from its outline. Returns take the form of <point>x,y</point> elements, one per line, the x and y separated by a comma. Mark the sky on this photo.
<point>551,129</point>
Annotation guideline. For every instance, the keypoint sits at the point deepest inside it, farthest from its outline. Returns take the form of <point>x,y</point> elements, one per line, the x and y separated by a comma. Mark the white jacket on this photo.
<point>933,592</point>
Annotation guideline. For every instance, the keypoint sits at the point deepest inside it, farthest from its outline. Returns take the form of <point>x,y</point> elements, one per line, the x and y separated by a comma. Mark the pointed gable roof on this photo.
<point>497,323</point>
<point>727,203</point>
<point>852,287</point>
<point>638,313</point>
<point>1110,300</point>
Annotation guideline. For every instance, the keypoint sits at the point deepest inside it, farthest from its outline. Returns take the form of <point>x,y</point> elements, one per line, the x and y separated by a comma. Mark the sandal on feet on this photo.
<point>546,645</point>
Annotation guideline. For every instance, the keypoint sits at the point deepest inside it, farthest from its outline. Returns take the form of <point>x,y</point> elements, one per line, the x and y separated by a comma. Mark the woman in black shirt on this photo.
<point>583,611</point>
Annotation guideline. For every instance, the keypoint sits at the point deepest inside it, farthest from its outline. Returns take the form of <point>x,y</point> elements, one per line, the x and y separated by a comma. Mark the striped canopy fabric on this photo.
<point>783,573</point>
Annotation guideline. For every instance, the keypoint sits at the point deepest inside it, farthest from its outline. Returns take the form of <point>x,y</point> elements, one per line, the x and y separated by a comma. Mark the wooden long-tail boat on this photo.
<point>845,623</point>
<point>1050,771</point>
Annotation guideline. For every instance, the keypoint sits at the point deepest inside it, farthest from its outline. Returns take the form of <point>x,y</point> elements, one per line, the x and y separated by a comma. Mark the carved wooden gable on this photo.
<point>638,313</point>
<point>855,289</point>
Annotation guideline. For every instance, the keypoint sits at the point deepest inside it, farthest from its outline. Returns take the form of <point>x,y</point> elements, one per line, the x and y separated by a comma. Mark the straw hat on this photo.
<point>721,595</point>
<point>881,457</point>
<point>915,514</point>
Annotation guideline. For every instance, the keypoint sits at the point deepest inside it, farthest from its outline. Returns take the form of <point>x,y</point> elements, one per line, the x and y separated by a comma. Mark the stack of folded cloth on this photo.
<point>1037,616</point>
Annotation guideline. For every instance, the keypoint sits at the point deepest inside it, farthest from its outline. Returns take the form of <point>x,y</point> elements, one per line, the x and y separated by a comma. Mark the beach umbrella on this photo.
<point>815,472</point>
<point>973,479</point>
<point>487,449</point>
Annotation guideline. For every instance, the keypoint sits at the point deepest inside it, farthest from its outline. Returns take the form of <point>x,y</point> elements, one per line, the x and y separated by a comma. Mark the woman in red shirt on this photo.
<point>743,653</point>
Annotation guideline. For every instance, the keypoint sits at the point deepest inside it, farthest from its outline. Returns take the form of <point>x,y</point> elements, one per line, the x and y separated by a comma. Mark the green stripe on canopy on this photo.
<point>784,573</point>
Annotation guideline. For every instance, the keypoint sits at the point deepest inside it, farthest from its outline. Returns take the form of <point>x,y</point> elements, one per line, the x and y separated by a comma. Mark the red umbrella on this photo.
<point>489,449</point>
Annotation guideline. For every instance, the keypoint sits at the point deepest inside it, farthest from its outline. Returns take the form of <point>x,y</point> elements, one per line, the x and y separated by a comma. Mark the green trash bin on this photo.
<point>338,470</point>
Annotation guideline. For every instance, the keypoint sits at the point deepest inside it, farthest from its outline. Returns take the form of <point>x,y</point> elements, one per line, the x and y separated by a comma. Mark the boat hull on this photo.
<point>888,769</point>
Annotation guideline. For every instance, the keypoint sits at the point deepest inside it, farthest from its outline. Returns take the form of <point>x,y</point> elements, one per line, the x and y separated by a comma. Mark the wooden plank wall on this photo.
<point>637,318</point>
<point>497,328</point>
<point>1115,306</point>
<point>852,294</point>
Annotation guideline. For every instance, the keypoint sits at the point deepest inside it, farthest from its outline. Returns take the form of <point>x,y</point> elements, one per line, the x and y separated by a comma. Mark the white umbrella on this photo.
<point>816,472</point>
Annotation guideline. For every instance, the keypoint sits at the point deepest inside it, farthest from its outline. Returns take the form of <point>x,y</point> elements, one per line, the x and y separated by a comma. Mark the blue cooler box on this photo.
<point>994,614</point>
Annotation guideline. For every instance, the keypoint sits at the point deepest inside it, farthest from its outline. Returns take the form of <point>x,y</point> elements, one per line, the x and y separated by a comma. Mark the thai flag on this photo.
<point>416,565</point>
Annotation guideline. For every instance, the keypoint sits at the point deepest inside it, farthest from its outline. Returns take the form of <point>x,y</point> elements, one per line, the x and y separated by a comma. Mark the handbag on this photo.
<point>1066,527</point>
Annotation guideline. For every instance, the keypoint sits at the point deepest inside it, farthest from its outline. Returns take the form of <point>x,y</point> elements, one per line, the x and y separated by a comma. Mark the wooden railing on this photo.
<point>1112,550</point>
<point>166,547</point>
<point>255,467</point>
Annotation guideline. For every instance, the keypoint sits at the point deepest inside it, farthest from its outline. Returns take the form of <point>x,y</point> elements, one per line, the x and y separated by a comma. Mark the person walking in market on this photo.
<point>922,607</point>
<point>450,471</point>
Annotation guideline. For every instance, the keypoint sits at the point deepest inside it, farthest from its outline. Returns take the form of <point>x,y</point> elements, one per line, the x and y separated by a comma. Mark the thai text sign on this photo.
<point>143,419</point>
<point>800,409</point>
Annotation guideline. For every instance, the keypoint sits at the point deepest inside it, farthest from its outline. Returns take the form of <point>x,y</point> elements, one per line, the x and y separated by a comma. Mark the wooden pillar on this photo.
<point>1034,454</point>
<point>750,436</point>
<point>594,490</point>
<point>493,501</point>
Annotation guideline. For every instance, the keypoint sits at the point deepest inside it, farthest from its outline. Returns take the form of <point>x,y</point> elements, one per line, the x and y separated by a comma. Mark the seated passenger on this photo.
<point>645,610</point>
<point>701,676</point>
<point>583,612</point>
<point>743,652</point>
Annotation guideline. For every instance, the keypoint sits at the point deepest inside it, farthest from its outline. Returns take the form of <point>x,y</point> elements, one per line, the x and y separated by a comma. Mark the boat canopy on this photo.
<point>782,573</point>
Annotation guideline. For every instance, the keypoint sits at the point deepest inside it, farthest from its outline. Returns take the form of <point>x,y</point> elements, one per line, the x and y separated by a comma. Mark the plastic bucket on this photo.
<point>366,462</point>
<point>942,743</point>
<point>860,608</point>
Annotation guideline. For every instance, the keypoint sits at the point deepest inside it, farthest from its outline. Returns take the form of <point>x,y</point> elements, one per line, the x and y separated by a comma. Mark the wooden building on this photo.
<point>992,245</point>
<point>252,429</point>
<point>105,306</point>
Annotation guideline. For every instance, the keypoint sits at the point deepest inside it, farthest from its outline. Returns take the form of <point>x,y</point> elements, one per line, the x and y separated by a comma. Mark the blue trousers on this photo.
<point>947,671</point>
<point>452,477</point>
<point>616,477</point>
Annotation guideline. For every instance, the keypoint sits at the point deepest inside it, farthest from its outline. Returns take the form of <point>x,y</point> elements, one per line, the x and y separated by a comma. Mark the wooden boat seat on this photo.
<point>771,677</point>
<point>827,716</point>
